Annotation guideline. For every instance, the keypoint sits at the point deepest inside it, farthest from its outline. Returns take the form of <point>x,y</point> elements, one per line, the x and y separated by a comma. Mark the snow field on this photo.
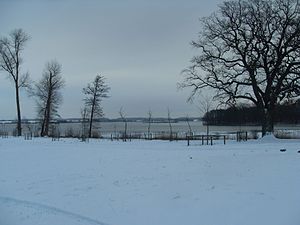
<point>149,182</point>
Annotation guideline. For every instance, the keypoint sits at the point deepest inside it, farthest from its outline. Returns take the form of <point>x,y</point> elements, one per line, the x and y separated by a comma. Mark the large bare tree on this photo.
<point>48,95</point>
<point>94,94</point>
<point>249,51</point>
<point>10,61</point>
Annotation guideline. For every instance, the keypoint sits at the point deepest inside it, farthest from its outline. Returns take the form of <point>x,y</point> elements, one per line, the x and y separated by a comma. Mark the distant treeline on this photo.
<point>129,119</point>
<point>251,115</point>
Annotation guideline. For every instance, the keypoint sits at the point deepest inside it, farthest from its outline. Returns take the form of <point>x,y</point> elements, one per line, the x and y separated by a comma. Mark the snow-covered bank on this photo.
<point>149,183</point>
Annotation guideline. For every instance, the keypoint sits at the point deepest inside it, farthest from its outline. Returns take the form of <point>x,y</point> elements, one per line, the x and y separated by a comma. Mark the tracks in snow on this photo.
<point>45,209</point>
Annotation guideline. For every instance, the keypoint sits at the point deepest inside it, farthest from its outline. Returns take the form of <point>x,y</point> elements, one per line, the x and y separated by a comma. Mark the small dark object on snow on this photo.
<point>283,150</point>
<point>191,157</point>
<point>299,151</point>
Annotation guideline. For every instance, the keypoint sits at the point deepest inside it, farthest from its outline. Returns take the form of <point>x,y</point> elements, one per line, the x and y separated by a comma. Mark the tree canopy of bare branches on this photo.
<point>10,61</point>
<point>249,51</point>
<point>94,94</point>
<point>48,95</point>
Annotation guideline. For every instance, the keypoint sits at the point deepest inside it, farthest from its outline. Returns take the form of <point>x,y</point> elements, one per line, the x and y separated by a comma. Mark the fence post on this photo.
<point>211,140</point>
<point>224,139</point>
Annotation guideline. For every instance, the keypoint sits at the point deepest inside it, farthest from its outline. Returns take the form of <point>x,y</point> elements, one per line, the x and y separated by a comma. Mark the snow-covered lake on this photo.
<point>107,128</point>
<point>69,182</point>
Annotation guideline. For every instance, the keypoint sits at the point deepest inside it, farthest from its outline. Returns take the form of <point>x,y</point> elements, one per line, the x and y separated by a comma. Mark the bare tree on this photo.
<point>10,61</point>
<point>48,95</point>
<point>249,51</point>
<point>123,117</point>
<point>149,122</point>
<point>95,92</point>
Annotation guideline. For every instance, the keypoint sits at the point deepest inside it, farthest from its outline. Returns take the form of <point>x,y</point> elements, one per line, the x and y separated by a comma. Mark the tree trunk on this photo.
<point>91,124</point>
<point>48,107</point>
<point>47,115</point>
<point>267,122</point>
<point>91,119</point>
<point>43,128</point>
<point>47,120</point>
<point>19,125</point>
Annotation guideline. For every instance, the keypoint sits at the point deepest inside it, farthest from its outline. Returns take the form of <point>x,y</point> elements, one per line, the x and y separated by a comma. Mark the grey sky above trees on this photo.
<point>139,46</point>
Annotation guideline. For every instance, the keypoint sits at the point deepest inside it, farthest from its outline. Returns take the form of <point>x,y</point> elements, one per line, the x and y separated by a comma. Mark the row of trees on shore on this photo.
<point>288,113</point>
<point>47,91</point>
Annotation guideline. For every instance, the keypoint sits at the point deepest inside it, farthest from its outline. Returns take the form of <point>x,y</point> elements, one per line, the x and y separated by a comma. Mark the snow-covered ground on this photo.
<point>68,182</point>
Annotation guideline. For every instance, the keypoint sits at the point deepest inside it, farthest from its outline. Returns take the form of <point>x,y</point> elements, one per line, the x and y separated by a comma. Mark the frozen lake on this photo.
<point>140,127</point>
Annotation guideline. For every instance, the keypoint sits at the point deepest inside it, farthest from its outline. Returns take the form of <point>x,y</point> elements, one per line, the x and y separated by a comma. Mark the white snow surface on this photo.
<point>68,182</point>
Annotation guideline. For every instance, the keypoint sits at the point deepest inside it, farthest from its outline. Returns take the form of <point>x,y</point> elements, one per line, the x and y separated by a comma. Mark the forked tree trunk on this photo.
<point>48,107</point>
<point>268,122</point>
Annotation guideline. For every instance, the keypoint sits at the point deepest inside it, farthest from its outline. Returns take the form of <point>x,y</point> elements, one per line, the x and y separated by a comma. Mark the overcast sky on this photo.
<point>139,46</point>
